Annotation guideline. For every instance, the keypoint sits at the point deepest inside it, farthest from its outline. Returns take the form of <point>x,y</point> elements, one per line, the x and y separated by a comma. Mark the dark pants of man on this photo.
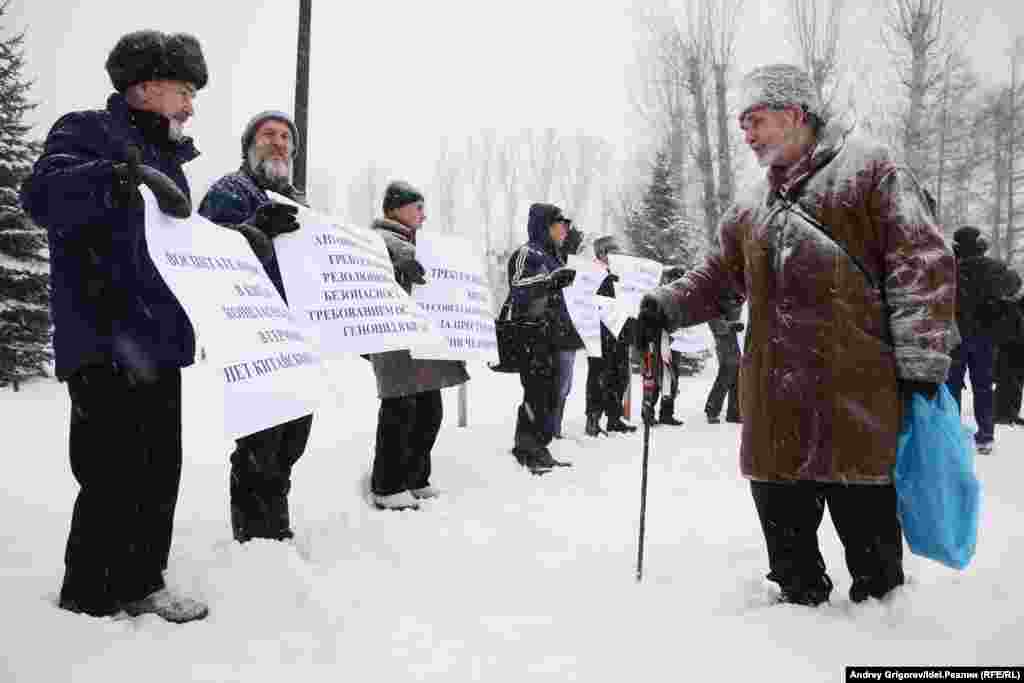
<point>976,354</point>
<point>1009,375</point>
<point>606,385</point>
<point>407,428</point>
<point>125,451</point>
<point>535,420</point>
<point>727,349</point>
<point>261,477</point>
<point>865,518</point>
<point>564,366</point>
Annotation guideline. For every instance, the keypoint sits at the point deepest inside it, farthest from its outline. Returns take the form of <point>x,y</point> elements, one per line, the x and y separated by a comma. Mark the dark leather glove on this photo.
<point>412,270</point>
<point>737,326</point>
<point>258,242</point>
<point>561,278</point>
<point>125,191</point>
<point>573,240</point>
<point>613,278</point>
<point>909,387</point>
<point>275,219</point>
<point>651,322</point>
<point>132,173</point>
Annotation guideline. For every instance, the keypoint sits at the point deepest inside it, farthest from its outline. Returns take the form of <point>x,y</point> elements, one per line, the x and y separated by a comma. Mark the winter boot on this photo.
<point>713,419</point>
<point>665,416</point>
<point>545,459</point>
<point>618,425</point>
<point>593,427</point>
<point>396,501</point>
<point>167,606</point>
<point>423,492</point>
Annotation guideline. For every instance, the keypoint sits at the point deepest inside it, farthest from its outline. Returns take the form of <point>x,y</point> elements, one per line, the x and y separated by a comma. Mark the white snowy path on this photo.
<point>507,577</point>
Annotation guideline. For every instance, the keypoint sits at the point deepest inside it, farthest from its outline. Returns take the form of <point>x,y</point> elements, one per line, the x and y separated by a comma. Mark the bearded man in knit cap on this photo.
<point>851,290</point>
<point>261,464</point>
<point>120,336</point>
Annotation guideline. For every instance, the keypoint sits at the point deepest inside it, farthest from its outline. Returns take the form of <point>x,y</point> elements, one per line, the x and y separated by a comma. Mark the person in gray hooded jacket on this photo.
<point>409,388</point>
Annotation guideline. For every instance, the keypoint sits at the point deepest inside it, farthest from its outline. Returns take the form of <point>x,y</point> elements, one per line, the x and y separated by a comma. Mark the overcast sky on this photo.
<point>390,79</point>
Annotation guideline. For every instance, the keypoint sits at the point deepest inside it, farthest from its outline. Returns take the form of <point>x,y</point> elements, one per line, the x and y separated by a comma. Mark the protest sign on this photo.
<point>456,298</point>
<point>637,276</point>
<point>611,314</point>
<point>266,363</point>
<point>340,281</point>
<point>579,300</point>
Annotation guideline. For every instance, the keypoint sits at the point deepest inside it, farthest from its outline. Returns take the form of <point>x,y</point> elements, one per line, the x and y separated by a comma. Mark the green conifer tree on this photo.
<point>24,270</point>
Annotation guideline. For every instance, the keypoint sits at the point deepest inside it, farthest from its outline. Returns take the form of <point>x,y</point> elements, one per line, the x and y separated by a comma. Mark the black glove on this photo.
<point>125,191</point>
<point>736,326</point>
<point>412,270</point>
<point>573,240</point>
<point>258,242</point>
<point>275,219</point>
<point>613,278</point>
<point>561,278</point>
<point>651,322</point>
<point>909,387</point>
<point>132,173</point>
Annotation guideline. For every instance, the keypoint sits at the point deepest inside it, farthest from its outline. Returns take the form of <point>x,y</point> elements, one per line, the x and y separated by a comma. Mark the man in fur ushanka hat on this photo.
<point>850,290</point>
<point>120,336</point>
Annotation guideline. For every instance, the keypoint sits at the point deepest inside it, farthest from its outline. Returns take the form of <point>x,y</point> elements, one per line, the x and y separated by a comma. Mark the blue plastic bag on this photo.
<point>937,492</point>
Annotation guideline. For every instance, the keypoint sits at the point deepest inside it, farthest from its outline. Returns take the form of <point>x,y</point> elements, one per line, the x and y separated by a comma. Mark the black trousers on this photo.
<point>125,451</point>
<point>407,428</point>
<point>865,519</point>
<point>1009,381</point>
<point>727,380</point>
<point>535,419</point>
<point>261,477</point>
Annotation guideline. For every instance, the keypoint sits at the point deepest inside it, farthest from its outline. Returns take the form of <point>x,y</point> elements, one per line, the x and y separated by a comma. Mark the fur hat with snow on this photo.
<point>777,86</point>
<point>155,56</point>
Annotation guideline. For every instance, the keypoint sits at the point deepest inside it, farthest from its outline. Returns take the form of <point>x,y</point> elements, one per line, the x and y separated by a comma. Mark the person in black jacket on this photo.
<point>980,279</point>
<point>120,335</point>
<point>262,462</point>
<point>536,276</point>
<point>1009,375</point>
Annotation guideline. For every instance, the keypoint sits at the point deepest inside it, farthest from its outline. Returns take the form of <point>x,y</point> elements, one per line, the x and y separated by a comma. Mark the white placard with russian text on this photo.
<point>456,298</point>
<point>637,276</point>
<point>270,370</point>
<point>579,300</point>
<point>340,280</point>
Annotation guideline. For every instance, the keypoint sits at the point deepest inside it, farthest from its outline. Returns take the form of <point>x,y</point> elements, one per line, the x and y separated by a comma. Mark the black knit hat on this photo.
<point>400,193</point>
<point>270,115</point>
<point>968,241</point>
<point>155,56</point>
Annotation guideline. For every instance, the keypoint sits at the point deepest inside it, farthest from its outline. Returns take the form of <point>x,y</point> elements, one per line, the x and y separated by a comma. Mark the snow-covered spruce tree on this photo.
<point>24,270</point>
<point>658,227</point>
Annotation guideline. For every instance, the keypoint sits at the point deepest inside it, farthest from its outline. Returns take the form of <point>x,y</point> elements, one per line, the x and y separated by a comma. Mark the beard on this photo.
<point>276,172</point>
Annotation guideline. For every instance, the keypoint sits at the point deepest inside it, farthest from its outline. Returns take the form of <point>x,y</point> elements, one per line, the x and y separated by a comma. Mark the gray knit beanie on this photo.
<point>255,122</point>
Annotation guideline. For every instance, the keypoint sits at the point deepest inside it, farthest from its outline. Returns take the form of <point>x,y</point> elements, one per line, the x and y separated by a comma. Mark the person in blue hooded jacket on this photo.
<point>120,337</point>
<point>536,277</point>
<point>262,462</point>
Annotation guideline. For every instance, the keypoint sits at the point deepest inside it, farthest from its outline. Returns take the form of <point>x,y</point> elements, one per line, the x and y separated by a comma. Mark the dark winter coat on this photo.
<point>824,348</point>
<point>530,293</point>
<point>981,279</point>
<point>397,372</point>
<point>109,303</point>
<point>233,200</point>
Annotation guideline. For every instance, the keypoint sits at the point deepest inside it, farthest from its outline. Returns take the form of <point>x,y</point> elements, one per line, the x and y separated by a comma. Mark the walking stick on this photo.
<point>652,391</point>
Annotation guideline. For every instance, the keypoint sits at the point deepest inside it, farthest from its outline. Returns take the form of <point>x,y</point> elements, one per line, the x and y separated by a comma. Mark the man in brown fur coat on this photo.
<point>851,291</point>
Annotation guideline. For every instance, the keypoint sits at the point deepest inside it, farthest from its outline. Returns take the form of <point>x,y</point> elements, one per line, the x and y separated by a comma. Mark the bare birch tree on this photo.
<point>365,193</point>
<point>722,21</point>
<point>814,30</point>
<point>447,177</point>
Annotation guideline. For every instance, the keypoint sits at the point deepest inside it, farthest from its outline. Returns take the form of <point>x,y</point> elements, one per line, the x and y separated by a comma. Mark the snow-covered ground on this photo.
<point>507,577</point>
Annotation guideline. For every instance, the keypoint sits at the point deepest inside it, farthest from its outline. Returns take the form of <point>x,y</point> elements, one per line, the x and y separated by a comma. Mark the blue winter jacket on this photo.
<point>109,303</point>
<point>529,271</point>
<point>233,200</point>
